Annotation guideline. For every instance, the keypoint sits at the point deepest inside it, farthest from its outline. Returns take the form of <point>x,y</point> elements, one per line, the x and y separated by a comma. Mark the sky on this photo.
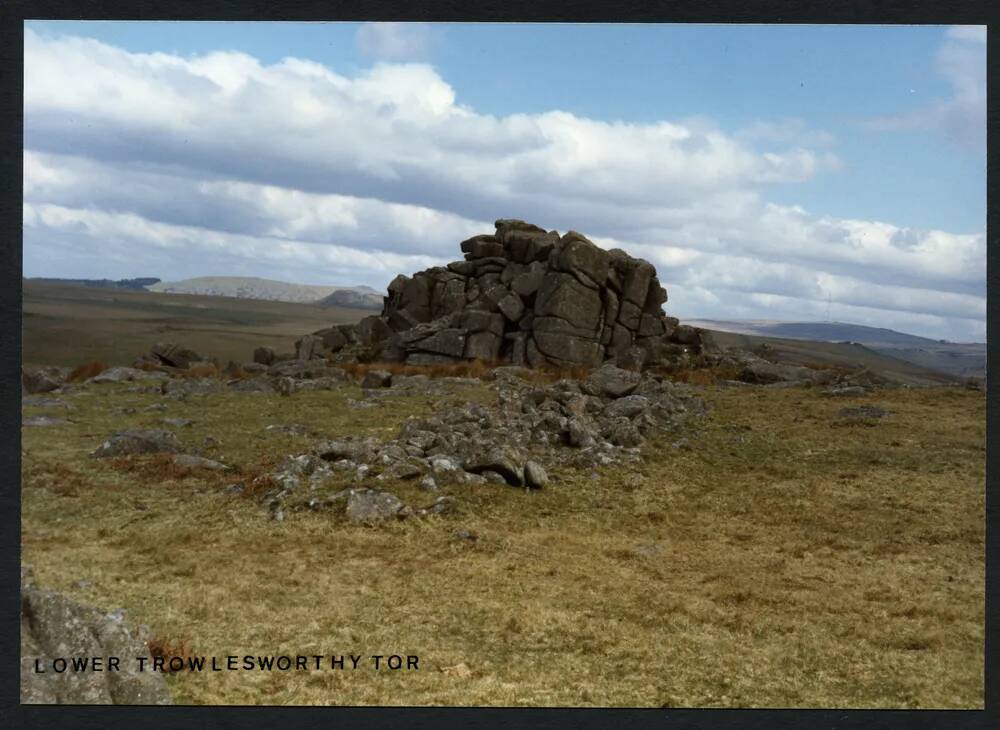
<point>781,172</point>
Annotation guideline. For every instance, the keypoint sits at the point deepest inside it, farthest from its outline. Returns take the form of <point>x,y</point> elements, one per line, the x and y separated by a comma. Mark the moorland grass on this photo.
<point>771,558</point>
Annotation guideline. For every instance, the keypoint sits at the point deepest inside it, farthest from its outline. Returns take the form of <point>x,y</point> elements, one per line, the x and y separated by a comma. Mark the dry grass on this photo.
<point>161,647</point>
<point>775,561</point>
<point>85,371</point>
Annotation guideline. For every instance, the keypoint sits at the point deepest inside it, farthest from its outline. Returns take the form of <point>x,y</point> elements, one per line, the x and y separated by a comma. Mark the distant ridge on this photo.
<point>356,298</point>
<point>133,284</point>
<point>252,287</point>
<point>954,358</point>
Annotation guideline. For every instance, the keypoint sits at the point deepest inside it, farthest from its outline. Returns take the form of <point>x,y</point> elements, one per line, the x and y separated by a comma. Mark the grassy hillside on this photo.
<point>805,352</point>
<point>67,325</point>
<point>781,558</point>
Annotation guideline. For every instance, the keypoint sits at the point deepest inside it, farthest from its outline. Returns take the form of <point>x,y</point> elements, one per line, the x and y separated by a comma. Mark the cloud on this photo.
<point>971,33</point>
<point>789,131</point>
<point>961,61</point>
<point>395,41</point>
<point>158,165</point>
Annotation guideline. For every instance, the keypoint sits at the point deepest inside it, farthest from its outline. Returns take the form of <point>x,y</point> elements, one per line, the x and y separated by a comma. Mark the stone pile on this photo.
<point>524,296</point>
<point>600,420</point>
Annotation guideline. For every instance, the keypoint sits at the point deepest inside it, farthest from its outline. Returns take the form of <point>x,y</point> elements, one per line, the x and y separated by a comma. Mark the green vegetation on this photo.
<point>779,557</point>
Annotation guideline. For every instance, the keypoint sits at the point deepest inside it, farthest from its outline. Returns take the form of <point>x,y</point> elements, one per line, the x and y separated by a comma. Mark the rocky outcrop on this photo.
<point>597,421</point>
<point>525,296</point>
<point>55,628</point>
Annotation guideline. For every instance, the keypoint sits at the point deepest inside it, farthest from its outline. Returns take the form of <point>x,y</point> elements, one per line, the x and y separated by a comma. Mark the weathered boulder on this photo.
<point>42,380</point>
<point>138,441</point>
<point>333,338</point>
<point>500,461</point>
<point>263,355</point>
<point>611,381</point>
<point>54,626</point>
<point>123,374</point>
<point>174,355</point>
<point>308,347</point>
<point>535,476</point>
<point>370,506</point>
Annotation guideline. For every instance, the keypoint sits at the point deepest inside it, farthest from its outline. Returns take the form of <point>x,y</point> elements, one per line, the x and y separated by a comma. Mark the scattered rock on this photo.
<point>122,374</point>
<point>263,355</point>
<point>177,422</point>
<point>535,476</point>
<point>441,506</point>
<point>369,506</point>
<point>500,462</point>
<point>292,429</point>
<point>252,385</point>
<point>845,391</point>
<point>611,382</point>
<point>174,355</point>
<point>42,380</point>
<point>138,441</point>
<point>377,379</point>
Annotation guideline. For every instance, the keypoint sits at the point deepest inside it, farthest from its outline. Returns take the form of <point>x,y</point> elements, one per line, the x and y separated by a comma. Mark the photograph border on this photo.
<point>12,16</point>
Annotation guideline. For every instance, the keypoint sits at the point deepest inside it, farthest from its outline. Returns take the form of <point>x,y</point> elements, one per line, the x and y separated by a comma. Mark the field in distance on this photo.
<point>66,325</point>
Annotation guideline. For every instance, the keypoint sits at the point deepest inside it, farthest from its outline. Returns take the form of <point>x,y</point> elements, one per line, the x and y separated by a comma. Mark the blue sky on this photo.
<point>831,135</point>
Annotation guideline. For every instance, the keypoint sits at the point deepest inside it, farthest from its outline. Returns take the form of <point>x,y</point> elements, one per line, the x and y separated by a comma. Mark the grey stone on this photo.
<point>628,406</point>
<point>122,374</point>
<point>372,330</point>
<point>263,355</point>
<point>535,475</point>
<point>138,441</point>
<point>578,434</point>
<point>369,506</point>
<point>482,346</point>
<point>42,380</point>
<point>511,306</point>
<point>53,625</point>
<point>612,382</point>
<point>500,461</point>
<point>174,355</point>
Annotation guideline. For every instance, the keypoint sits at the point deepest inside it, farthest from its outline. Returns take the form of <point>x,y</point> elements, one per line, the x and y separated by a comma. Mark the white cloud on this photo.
<point>786,131</point>
<point>395,41</point>
<point>157,165</point>
<point>971,33</point>
<point>961,61</point>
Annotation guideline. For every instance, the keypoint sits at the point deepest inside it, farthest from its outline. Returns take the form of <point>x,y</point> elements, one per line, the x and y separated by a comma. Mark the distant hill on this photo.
<point>360,298</point>
<point>133,284</point>
<point>251,287</point>
<point>953,358</point>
